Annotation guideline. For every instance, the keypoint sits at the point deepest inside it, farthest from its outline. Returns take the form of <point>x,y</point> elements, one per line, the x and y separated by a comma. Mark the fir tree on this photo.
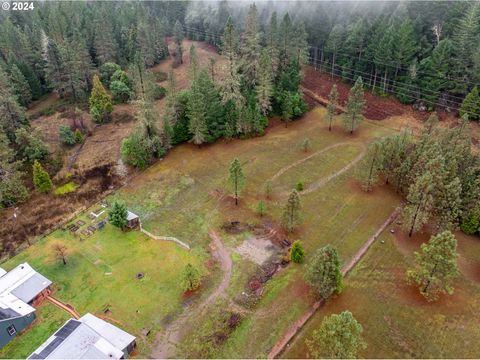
<point>12,188</point>
<point>197,114</point>
<point>291,212</point>
<point>20,86</point>
<point>236,179</point>
<point>435,266</point>
<point>355,105</point>
<point>41,179</point>
<point>471,105</point>
<point>178,36</point>
<point>100,102</point>
<point>261,210</point>
<point>117,216</point>
<point>332,105</point>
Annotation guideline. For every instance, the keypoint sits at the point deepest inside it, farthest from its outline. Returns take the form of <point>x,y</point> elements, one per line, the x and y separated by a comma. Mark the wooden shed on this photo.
<point>132,220</point>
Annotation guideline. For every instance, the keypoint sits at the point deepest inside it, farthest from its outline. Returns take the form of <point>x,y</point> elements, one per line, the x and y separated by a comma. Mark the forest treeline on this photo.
<point>426,53</point>
<point>82,50</point>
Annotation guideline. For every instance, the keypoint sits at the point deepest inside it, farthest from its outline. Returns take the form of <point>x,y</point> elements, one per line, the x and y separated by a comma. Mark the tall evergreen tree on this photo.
<point>471,105</point>
<point>355,105</point>
<point>20,86</point>
<point>264,86</point>
<point>323,272</point>
<point>371,166</point>
<point>435,266</point>
<point>41,179</point>
<point>236,179</point>
<point>332,105</point>
<point>100,102</point>
<point>250,48</point>
<point>291,212</point>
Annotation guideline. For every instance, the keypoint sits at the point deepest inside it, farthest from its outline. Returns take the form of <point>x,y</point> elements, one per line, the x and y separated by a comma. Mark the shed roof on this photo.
<point>131,216</point>
<point>86,338</point>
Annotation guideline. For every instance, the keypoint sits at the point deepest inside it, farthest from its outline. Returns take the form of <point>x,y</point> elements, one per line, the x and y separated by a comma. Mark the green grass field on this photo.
<point>397,321</point>
<point>101,274</point>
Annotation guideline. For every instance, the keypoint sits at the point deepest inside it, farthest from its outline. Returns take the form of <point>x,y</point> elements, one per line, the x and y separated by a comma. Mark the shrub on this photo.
<point>297,254</point>
<point>120,91</point>
<point>158,92</point>
<point>66,188</point>
<point>107,70</point>
<point>191,278</point>
<point>300,186</point>
<point>161,76</point>
<point>66,135</point>
<point>261,210</point>
<point>121,76</point>
<point>78,136</point>
<point>471,224</point>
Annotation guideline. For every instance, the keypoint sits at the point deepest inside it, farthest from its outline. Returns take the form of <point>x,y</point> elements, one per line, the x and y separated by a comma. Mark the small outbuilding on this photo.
<point>86,338</point>
<point>132,220</point>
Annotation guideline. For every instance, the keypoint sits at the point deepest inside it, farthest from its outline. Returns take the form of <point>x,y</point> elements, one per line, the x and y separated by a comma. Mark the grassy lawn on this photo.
<point>101,274</point>
<point>397,321</point>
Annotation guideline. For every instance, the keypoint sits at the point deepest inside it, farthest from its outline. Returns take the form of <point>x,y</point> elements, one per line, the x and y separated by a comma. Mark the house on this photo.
<point>20,290</point>
<point>132,220</point>
<point>86,338</point>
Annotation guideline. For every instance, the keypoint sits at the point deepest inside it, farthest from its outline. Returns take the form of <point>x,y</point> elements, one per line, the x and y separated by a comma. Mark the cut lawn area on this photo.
<point>397,321</point>
<point>101,274</point>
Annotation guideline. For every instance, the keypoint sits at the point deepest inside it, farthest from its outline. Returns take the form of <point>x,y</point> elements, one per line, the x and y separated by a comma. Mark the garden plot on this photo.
<point>259,250</point>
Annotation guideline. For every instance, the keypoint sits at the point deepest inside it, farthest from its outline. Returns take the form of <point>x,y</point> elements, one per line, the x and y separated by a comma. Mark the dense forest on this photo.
<point>425,53</point>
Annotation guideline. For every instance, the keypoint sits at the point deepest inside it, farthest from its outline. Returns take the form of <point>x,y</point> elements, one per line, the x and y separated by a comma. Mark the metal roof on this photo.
<point>86,338</point>
<point>17,288</point>
<point>31,287</point>
<point>131,216</point>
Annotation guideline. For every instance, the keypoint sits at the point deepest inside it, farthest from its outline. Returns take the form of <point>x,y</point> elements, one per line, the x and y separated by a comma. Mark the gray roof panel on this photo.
<point>33,286</point>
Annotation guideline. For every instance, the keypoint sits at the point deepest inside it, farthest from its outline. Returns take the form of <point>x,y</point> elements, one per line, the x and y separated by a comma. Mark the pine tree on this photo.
<point>20,86</point>
<point>117,216</point>
<point>291,212</point>
<point>371,166</point>
<point>355,105</point>
<point>100,102</point>
<point>323,272</point>
<point>332,46</point>
<point>332,105</point>
<point>419,204</point>
<point>471,105</point>
<point>338,337</point>
<point>435,266</point>
<point>12,115</point>
<point>41,179</point>
<point>264,86</point>
<point>236,179</point>
<point>250,49</point>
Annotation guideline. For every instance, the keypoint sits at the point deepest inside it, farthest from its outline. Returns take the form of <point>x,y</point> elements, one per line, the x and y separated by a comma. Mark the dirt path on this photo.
<point>321,182</point>
<point>167,340</point>
<point>63,306</point>
<point>298,325</point>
